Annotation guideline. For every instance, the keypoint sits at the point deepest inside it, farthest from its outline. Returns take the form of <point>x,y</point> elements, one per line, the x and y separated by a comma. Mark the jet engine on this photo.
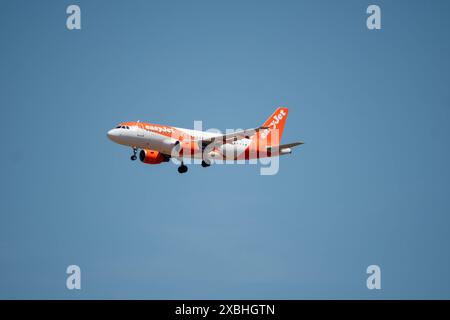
<point>152,157</point>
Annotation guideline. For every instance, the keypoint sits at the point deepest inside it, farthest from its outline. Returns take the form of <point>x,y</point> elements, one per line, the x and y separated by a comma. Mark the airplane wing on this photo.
<point>233,136</point>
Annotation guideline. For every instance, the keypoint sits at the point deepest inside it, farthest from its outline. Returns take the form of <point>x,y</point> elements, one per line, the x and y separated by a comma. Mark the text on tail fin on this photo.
<point>275,122</point>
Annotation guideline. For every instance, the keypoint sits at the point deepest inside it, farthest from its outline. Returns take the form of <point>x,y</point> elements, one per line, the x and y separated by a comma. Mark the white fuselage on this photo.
<point>137,137</point>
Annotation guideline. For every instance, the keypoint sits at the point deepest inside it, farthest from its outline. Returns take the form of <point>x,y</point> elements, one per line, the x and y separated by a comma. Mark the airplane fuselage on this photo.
<point>164,138</point>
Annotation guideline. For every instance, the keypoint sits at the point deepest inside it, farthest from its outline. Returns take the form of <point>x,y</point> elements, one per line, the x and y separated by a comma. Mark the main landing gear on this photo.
<point>205,164</point>
<point>182,168</point>
<point>134,157</point>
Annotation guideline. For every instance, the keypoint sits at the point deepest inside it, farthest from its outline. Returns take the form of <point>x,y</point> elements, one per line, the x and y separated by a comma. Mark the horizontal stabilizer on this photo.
<point>288,145</point>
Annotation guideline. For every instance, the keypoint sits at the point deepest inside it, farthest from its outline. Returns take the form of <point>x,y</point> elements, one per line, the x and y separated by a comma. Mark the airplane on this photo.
<point>160,143</point>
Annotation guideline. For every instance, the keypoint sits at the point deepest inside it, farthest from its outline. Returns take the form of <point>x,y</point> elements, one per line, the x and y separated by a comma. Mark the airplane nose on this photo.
<point>112,134</point>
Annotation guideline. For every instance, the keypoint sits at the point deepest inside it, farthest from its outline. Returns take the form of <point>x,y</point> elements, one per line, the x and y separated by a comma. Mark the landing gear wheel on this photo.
<point>182,168</point>
<point>134,157</point>
<point>205,164</point>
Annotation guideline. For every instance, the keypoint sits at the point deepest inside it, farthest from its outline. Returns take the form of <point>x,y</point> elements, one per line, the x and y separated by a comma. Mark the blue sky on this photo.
<point>370,186</point>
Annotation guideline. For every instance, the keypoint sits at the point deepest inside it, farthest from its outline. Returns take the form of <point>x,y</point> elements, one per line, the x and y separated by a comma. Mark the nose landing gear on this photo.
<point>134,157</point>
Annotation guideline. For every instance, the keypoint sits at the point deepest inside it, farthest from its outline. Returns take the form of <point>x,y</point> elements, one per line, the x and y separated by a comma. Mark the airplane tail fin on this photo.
<point>274,126</point>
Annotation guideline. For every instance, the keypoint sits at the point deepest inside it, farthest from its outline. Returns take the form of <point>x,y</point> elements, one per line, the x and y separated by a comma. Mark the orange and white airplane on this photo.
<point>159,143</point>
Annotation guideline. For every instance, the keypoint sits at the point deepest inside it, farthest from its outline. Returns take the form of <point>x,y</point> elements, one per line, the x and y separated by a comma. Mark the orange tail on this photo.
<point>275,127</point>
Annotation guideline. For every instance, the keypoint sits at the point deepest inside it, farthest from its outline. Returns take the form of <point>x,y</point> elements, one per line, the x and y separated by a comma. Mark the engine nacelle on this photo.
<point>152,157</point>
